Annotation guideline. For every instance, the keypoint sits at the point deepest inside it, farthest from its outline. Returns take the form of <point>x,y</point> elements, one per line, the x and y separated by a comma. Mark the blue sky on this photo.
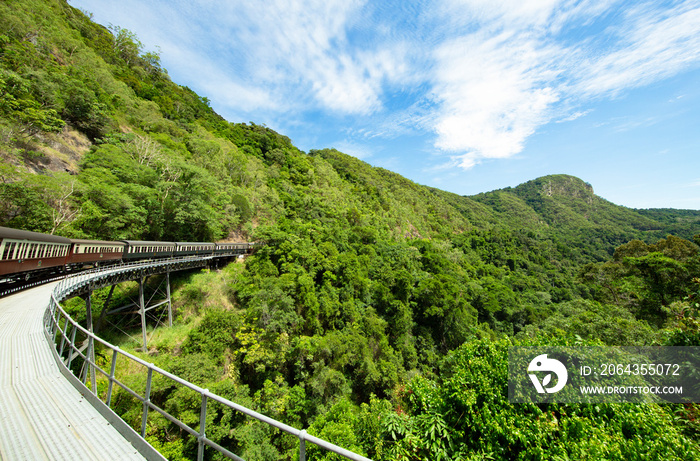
<point>464,95</point>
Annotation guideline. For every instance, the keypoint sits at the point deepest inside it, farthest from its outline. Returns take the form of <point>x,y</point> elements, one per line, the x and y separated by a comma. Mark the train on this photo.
<point>26,255</point>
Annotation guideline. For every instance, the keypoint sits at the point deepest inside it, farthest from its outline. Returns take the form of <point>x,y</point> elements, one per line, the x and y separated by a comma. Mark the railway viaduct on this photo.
<point>49,413</point>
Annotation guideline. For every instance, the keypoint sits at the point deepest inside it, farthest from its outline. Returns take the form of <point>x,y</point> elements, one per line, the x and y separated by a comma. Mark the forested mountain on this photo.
<point>379,312</point>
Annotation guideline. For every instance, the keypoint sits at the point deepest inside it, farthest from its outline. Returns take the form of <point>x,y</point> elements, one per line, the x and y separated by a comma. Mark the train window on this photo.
<point>6,251</point>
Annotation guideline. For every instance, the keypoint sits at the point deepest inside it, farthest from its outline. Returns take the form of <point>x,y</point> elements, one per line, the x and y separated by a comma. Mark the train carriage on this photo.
<point>32,256</point>
<point>137,249</point>
<point>94,252</point>
<point>193,249</point>
<point>22,251</point>
<point>232,248</point>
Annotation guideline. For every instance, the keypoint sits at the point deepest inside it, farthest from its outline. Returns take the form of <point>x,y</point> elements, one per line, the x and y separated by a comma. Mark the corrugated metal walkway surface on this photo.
<point>42,416</point>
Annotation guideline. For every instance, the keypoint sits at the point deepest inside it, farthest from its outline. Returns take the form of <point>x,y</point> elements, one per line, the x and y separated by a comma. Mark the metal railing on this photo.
<point>75,342</point>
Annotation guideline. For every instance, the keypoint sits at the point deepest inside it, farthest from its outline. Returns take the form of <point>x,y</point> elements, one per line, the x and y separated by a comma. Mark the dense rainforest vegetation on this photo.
<point>379,312</point>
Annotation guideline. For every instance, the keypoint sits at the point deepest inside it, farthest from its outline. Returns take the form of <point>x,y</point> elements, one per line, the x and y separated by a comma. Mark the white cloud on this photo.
<point>656,45</point>
<point>574,116</point>
<point>493,93</point>
<point>301,52</point>
<point>506,70</point>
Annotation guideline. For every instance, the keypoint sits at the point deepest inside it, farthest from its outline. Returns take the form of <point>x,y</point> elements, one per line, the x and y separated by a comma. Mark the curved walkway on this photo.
<point>42,416</point>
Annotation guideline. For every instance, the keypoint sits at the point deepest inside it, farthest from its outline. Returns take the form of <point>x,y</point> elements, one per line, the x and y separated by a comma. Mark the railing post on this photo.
<point>112,372</point>
<point>146,401</point>
<point>90,355</point>
<point>64,337</point>
<point>55,324</point>
<point>302,445</point>
<point>202,424</point>
<point>72,346</point>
